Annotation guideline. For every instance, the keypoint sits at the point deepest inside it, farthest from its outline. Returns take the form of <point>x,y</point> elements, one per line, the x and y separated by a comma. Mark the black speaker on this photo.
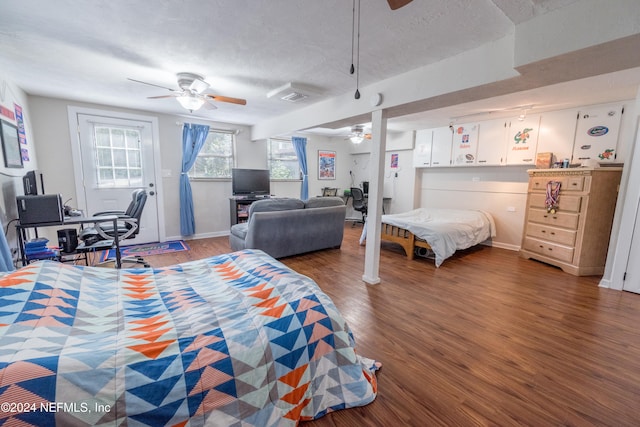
<point>40,210</point>
<point>68,239</point>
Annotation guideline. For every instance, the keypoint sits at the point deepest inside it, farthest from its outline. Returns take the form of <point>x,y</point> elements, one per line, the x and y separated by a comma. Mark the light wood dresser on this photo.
<point>573,235</point>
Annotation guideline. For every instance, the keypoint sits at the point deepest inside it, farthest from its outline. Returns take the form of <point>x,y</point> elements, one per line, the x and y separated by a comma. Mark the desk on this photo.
<point>72,220</point>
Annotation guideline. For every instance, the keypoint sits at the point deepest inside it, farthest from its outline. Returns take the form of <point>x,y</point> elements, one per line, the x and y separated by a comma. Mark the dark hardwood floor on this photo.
<point>486,339</point>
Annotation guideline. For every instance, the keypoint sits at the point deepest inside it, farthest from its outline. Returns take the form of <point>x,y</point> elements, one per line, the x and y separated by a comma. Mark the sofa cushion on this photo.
<point>240,230</point>
<point>276,204</point>
<point>323,202</point>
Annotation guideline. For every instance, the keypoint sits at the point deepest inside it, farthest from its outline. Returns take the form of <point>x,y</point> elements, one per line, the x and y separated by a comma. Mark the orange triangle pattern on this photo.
<point>293,378</point>
<point>151,350</point>
<point>211,368</point>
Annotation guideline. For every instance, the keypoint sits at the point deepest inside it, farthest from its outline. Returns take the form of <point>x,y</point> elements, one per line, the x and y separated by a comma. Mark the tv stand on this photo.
<point>239,207</point>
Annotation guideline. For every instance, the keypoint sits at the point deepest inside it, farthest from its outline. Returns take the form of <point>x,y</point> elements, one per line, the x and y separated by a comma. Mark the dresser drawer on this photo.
<point>566,203</point>
<point>558,219</point>
<point>551,250</point>
<point>567,183</point>
<point>552,234</point>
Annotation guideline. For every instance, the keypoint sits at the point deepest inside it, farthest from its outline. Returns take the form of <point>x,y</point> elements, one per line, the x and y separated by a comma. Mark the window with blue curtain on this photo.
<point>300,144</point>
<point>193,138</point>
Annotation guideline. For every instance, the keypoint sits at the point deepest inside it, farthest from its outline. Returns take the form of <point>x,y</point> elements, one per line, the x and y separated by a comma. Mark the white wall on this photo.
<point>11,178</point>
<point>499,190</point>
<point>211,197</point>
<point>399,182</point>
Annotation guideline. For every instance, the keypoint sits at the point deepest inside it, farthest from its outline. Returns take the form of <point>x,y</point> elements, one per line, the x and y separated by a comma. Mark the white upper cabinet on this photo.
<point>522,140</point>
<point>597,134</point>
<point>422,150</point>
<point>465,144</point>
<point>492,143</point>
<point>557,133</point>
<point>441,147</point>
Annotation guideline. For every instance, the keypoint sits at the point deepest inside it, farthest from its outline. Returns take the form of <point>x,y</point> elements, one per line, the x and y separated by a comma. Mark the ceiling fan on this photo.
<point>358,134</point>
<point>191,93</point>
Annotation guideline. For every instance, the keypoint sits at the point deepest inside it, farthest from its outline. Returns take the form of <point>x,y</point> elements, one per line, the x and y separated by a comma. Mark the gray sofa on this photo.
<point>285,226</point>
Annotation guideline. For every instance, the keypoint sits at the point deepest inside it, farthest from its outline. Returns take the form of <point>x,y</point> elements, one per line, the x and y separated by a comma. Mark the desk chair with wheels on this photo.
<point>128,225</point>
<point>359,202</point>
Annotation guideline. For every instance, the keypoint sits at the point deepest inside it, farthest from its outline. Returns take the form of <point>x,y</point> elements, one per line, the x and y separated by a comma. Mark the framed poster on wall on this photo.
<point>326,164</point>
<point>10,145</point>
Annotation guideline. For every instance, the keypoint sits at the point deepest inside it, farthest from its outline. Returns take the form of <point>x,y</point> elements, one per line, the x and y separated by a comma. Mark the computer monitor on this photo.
<point>33,183</point>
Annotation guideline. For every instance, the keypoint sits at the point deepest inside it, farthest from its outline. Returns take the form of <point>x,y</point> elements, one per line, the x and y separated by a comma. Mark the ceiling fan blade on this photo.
<point>208,105</point>
<point>227,99</point>
<point>162,96</point>
<point>397,4</point>
<point>151,84</point>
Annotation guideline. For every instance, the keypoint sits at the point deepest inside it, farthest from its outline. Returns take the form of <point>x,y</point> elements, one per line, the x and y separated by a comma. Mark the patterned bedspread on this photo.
<point>236,339</point>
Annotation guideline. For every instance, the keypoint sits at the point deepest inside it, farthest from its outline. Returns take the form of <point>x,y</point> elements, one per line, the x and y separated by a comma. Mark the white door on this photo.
<point>522,140</point>
<point>441,148</point>
<point>597,134</point>
<point>465,144</point>
<point>117,157</point>
<point>422,151</point>
<point>632,275</point>
<point>492,143</point>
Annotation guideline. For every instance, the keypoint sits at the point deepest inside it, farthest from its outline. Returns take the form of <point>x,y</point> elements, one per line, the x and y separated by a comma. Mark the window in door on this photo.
<point>118,156</point>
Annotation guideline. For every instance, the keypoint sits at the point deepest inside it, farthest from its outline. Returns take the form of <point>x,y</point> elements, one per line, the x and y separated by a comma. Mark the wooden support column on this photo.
<point>376,186</point>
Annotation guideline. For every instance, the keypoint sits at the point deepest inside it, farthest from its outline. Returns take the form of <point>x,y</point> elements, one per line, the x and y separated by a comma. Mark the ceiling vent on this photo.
<point>290,92</point>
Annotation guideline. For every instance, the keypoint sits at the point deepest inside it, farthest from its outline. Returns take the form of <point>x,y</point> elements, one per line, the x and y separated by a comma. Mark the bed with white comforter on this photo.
<point>443,230</point>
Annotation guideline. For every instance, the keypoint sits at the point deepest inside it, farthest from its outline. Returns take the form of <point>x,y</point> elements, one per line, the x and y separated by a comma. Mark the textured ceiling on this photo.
<point>86,50</point>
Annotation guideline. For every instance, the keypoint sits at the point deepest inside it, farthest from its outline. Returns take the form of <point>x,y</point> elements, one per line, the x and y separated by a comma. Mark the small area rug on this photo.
<point>147,249</point>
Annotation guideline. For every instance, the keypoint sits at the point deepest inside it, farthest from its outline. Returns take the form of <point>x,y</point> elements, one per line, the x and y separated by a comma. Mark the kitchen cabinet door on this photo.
<point>522,140</point>
<point>465,144</point>
<point>422,150</point>
<point>441,147</point>
<point>597,134</point>
<point>492,143</point>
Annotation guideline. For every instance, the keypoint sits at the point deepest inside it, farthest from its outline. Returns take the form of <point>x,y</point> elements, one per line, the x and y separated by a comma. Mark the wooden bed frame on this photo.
<point>404,238</point>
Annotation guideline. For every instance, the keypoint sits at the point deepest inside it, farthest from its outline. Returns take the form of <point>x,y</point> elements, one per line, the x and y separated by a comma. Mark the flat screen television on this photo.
<point>250,182</point>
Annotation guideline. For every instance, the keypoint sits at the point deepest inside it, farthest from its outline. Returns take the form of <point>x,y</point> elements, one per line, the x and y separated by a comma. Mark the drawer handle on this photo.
<point>543,231</point>
<point>552,233</point>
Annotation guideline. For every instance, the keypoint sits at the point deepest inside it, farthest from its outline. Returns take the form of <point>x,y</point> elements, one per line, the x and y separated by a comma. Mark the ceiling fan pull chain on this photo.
<point>353,29</point>
<point>357,94</point>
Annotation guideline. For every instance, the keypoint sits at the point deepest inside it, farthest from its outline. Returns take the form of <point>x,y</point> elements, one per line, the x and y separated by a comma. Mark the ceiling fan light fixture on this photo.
<point>356,139</point>
<point>190,102</point>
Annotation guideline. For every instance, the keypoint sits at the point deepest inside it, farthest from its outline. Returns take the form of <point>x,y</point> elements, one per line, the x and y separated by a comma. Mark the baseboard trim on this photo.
<point>504,246</point>
<point>200,236</point>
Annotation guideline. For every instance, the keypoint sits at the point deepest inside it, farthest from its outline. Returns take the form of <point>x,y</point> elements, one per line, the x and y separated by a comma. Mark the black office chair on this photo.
<point>128,225</point>
<point>365,188</point>
<point>359,202</point>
